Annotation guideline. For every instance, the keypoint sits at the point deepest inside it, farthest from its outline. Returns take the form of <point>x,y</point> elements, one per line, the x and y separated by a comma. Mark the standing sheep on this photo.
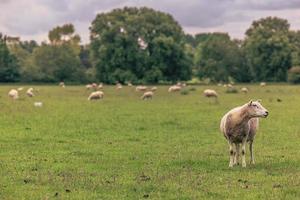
<point>119,86</point>
<point>62,84</point>
<point>211,94</point>
<point>141,88</point>
<point>244,90</point>
<point>96,95</point>
<point>29,92</point>
<point>263,84</point>
<point>174,88</point>
<point>153,89</point>
<point>14,94</point>
<point>147,95</point>
<point>239,126</point>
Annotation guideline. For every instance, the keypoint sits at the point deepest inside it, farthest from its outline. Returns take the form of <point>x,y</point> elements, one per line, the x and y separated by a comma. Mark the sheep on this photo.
<point>94,85</point>
<point>244,90</point>
<point>239,126</point>
<point>38,104</point>
<point>30,92</point>
<point>147,95</point>
<point>141,88</point>
<point>96,95</point>
<point>62,84</point>
<point>14,94</point>
<point>20,88</point>
<point>129,84</point>
<point>174,88</point>
<point>153,89</point>
<point>263,84</point>
<point>100,86</point>
<point>211,94</point>
<point>119,86</point>
<point>88,86</point>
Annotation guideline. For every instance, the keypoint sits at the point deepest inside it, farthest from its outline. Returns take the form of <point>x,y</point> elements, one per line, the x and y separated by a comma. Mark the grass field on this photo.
<point>124,148</point>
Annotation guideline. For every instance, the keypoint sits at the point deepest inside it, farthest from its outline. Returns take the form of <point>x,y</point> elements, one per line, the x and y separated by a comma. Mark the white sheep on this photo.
<point>141,88</point>
<point>38,104</point>
<point>129,84</point>
<point>20,88</point>
<point>29,92</point>
<point>174,88</point>
<point>210,93</point>
<point>62,84</point>
<point>100,86</point>
<point>96,95</point>
<point>147,95</point>
<point>119,86</point>
<point>14,94</point>
<point>239,126</point>
<point>89,86</point>
<point>244,90</point>
<point>153,89</point>
<point>263,84</point>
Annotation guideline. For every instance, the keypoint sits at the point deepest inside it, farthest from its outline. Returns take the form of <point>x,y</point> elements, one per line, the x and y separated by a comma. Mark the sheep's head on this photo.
<point>255,109</point>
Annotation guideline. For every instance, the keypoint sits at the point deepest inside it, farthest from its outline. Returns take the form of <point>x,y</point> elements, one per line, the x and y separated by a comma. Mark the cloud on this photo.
<point>34,18</point>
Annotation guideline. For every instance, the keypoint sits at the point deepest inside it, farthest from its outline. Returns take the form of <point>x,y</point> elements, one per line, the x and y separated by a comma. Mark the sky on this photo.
<point>32,19</point>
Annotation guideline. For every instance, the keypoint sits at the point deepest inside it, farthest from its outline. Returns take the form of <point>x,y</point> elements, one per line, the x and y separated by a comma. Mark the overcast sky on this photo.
<point>32,19</point>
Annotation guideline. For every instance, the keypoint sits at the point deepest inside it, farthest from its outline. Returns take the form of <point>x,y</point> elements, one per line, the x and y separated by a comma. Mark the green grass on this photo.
<point>124,148</point>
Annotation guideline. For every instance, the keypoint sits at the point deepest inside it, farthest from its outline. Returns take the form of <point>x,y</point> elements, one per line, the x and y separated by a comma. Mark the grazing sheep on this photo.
<point>20,89</point>
<point>239,126</point>
<point>119,86</point>
<point>62,84</point>
<point>153,89</point>
<point>96,95</point>
<point>38,104</point>
<point>129,84</point>
<point>263,84</point>
<point>141,88</point>
<point>147,95</point>
<point>174,88</point>
<point>14,94</point>
<point>219,84</point>
<point>210,93</point>
<point>30,92</point>
<point>94,85</point>
<point>100,86</point>
<point>88,86</point>
<point>244,90</point>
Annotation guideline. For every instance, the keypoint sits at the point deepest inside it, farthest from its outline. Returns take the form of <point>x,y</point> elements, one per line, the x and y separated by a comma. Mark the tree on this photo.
<point>219,58</point>
<point>9,68</point>
<point>295,46</point>
<point>268,49</point>
<point>142,43</point>
<point>59,60</point>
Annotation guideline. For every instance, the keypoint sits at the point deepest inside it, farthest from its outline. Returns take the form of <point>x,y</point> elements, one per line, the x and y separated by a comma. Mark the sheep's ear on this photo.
<point>250,103</point>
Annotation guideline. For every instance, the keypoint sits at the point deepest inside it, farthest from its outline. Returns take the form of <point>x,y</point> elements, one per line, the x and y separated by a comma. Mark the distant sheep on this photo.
<point>119,86</point>
<point>100,86</point>
<point>210,93</point>
<point>147,95</point>
<point>38,104</point>
<point>263,84</point>
<point>244,90</point>
<point>30,92</point>
<point>89,86</point>
<point>141,88</point>
<point>14,94</point>
<point>153,89</point>
<point>239,126</point>
<point>174,88</point>
<point>96,95</point>
<point>20,88</point>
<point>129,84</point>
<point>62,84</point>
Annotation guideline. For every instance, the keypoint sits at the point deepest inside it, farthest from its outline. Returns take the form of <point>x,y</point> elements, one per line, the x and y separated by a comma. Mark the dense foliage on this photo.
<point>141,45</point>
<point>134,44</point>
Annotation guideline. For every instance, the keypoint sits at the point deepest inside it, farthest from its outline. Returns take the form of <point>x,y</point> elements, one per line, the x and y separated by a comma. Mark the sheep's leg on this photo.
<point>244,142</point>
<point>231,153</point>
<point>251,153</point>
<point>237,154</point>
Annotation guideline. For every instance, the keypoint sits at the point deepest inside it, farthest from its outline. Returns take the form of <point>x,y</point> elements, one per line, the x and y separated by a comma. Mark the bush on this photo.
<point>294,75</point>
<point>231,90</point>
<point>185,92</point>
<point>193,89</point>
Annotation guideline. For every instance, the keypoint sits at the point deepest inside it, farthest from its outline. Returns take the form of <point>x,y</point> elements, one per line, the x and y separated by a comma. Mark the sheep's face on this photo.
<point>257,110</point>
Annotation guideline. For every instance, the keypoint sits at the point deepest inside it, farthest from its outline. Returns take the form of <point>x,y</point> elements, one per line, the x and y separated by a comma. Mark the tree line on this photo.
<point>142,45</point>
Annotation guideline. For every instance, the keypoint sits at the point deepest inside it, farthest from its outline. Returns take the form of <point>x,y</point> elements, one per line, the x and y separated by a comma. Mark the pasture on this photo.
<point>121,147</point>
